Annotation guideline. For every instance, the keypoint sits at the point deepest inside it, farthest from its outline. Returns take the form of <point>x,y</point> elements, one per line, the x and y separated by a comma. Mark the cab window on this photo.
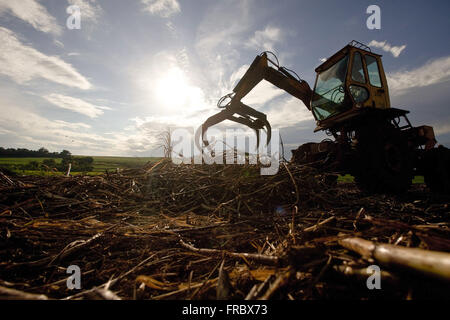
<point>329,94</point>
<point>357,69</point>
<point>359,94</point>
<point>372,70</point>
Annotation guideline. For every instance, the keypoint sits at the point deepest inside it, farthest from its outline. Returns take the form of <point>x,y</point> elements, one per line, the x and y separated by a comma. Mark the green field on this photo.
<point>101,164</point>
<point>112,163</point>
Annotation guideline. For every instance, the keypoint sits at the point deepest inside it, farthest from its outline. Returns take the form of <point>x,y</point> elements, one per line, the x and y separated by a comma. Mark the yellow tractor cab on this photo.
<point>350,80</point>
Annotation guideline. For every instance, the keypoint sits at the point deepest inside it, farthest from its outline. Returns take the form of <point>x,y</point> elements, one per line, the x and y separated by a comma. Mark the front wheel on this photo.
<point>384,162</point>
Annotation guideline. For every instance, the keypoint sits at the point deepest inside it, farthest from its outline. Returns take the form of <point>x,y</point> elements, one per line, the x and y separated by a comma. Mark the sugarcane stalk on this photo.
<point>432,263</point>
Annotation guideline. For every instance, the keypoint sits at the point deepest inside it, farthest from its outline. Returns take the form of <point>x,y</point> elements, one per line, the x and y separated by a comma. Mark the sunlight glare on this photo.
<point>176,94</point>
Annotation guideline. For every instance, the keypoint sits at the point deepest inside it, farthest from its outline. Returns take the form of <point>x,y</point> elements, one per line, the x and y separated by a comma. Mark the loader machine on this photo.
<point>369,139</point>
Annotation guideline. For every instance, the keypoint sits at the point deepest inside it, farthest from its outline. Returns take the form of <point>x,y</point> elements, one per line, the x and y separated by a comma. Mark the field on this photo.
<point>104,163</point>
<point>101,164</point>
<point>163,231</point>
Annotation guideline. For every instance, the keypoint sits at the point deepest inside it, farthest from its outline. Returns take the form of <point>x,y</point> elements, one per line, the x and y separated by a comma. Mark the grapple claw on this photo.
<point>238,112</point>
<point>262,68</point>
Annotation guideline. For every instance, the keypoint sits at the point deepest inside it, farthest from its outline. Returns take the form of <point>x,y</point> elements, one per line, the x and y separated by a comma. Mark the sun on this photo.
<point>173,89</point>
<point>174,94</point>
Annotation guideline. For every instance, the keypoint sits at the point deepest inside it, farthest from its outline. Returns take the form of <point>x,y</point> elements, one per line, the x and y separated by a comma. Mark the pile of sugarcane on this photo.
<point>169,231</point>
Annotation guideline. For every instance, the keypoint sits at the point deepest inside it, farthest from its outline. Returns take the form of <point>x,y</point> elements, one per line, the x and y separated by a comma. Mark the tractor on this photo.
<point>350,101</point>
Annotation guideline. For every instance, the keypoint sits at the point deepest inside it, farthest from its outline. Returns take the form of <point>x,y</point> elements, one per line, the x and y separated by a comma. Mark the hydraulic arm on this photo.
<point>237,111</point>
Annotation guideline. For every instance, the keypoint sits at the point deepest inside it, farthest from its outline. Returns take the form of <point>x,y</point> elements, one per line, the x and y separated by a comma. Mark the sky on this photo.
<point>138,67</point>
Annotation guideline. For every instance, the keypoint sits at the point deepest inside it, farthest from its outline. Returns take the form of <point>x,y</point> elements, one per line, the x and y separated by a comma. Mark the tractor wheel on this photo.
<point>437,170</point>
<point>385,162</point>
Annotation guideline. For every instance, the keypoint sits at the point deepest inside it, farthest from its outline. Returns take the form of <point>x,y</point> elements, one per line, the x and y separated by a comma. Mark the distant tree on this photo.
<point>87,160</point>
<point>51,163</point>
<point>84,164</point>
<point>165,142</point>
<point>65,154</point>
<point>23,152</point>
<point>43,151</point>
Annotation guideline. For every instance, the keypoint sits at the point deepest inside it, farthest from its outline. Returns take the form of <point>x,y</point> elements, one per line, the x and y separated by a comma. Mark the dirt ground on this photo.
<point>212,232</point>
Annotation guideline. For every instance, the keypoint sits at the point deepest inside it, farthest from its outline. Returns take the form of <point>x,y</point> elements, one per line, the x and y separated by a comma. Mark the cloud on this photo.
<point>172,29</point>
<point>90,10</point>
<point>289,113</point>
<point>71,125</point>
<point>24,63</point>
<point>441,129</point>
<point>75,105</point>
<point>395,50</point>
<point>265,39</point>
<point>163,8</point>
<point>435,71</point>
<point>226,29</point>
<point>5,131</point>
<point>23,127</point>
<point>219,40</point>
<point>33,13</point>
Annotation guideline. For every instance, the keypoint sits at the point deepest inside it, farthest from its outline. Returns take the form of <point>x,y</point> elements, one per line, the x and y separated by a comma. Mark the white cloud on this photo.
<point>31,129</point>
<point>288,113</point>
<point>441,129</point>
<point>32,12</point>
<point>5,131</point>
<point>24,63</point>
<point>22,127</point>
<point>71,125</point>
<point>90,10</point>
<point>219,40</point>
<point>395,50</point>
<point>238,74</point>
<point>262,93</point>
<point>75,105</point>
<point>163,8</point>
<point>432,72</point>
<point>265,39</point>
<point>173,30</point>
<point>227,28</point>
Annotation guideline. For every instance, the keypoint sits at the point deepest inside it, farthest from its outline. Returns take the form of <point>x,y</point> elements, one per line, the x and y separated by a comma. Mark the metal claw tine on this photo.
<point>268,130</point>
<point>238,112</point>
<point>257,139</point>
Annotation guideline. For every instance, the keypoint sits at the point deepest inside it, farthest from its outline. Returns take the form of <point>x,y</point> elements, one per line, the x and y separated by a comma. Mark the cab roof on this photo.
<point>341,53</point>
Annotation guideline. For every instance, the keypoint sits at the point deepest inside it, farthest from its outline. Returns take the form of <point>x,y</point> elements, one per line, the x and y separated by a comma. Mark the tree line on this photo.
<point>78,164</point>
<point>23,152</point>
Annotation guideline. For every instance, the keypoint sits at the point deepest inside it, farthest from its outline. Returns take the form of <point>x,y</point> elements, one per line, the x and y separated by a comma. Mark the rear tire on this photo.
<point>437,170</point>
<point>385,161</point>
